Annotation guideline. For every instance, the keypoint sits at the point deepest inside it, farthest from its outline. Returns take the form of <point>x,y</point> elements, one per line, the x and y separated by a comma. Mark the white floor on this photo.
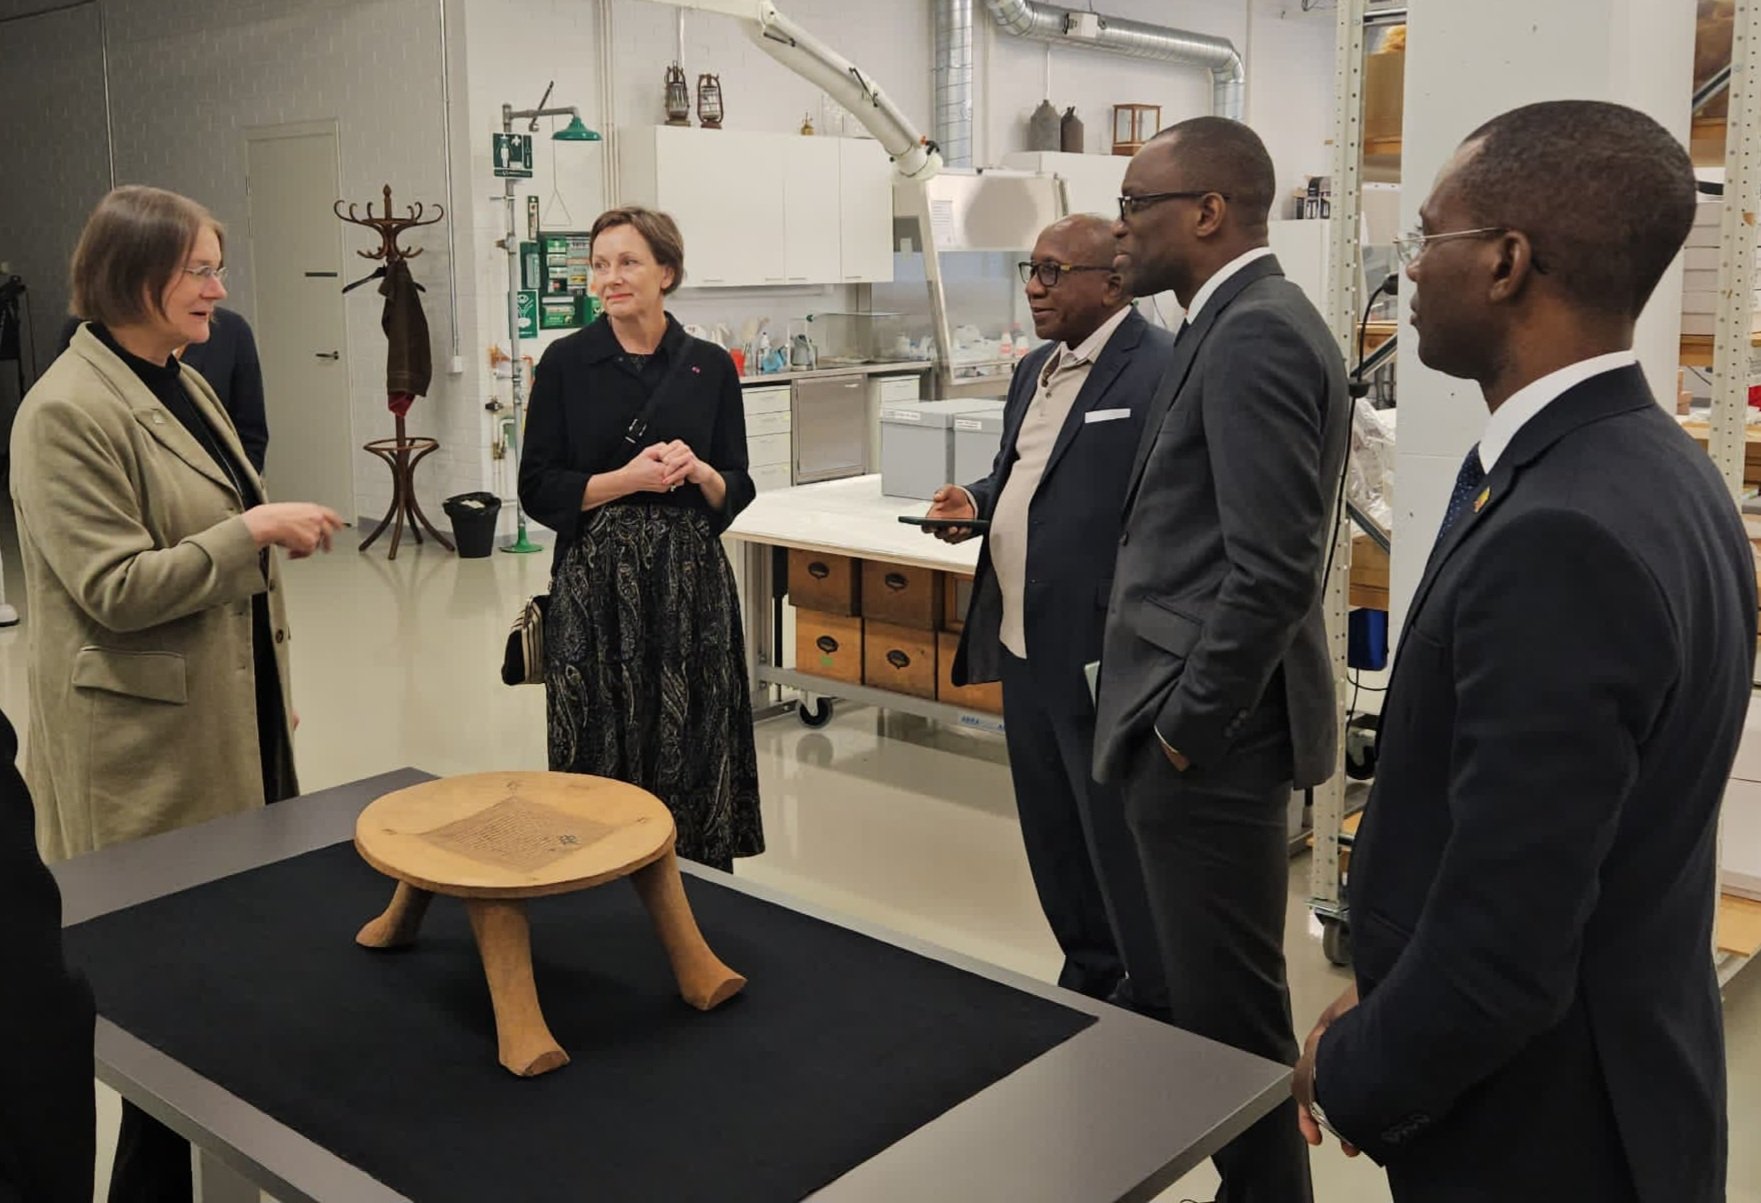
<point>883,818</point>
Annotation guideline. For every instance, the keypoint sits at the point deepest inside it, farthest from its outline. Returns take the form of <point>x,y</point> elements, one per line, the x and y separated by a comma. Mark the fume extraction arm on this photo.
<point>914,156</point>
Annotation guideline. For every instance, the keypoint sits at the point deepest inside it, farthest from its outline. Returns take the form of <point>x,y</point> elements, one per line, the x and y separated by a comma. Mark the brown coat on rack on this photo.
<point>401,453</point>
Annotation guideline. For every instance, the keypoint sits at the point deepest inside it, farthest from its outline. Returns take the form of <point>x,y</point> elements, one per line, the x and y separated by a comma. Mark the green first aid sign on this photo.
<point>527,305</point>
<point>513,156</point>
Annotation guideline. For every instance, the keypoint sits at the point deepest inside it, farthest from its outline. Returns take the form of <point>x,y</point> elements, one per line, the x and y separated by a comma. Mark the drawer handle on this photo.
<point>818,570</point>
<point>826,644</point>
<point>898,659</point>
<point>896,581</point>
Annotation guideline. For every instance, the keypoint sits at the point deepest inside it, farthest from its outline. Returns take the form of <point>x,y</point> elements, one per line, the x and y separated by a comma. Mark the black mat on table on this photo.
<point>840,1046</point>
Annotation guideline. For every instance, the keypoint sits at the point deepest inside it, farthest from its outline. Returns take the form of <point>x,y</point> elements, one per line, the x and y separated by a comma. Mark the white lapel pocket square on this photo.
<point>1105,415</point>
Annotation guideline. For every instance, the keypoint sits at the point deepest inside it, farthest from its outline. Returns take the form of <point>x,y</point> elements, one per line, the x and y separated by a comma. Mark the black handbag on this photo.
<point>522,661</point>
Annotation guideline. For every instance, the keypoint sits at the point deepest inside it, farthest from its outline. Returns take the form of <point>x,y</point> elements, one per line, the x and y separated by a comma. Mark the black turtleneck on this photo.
<point>165,382</point>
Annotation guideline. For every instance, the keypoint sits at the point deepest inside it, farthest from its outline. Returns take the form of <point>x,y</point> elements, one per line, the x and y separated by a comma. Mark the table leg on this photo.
<point>397,927</point>
<point>504,940</point>
<point>704,981</point>
<point>217,1182</point>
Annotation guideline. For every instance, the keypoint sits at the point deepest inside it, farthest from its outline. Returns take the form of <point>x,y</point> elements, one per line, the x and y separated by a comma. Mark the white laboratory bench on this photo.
<point>847,517</point>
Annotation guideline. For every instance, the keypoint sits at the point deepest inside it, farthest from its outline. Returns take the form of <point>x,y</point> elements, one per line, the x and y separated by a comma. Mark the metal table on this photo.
<point>845,518</point>
<point>1119,1112</point>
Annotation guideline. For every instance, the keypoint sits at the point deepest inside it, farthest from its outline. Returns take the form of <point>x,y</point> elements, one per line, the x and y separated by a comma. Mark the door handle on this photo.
<point>328,354</point>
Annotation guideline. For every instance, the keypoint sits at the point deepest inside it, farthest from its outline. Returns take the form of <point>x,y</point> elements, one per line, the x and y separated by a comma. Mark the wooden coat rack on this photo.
<point>400,453</point>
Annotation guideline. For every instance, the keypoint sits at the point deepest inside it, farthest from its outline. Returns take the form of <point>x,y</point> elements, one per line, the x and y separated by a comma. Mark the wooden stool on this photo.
<point>401,455</point>
<point>497,839</point>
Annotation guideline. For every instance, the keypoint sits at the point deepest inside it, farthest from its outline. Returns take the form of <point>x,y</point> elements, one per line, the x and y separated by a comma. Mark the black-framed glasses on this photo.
<point>1050,273</point>
<point>1137,204</point>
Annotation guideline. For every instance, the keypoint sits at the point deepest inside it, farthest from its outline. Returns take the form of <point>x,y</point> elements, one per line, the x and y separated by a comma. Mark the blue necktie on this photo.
<point>1466,481</point>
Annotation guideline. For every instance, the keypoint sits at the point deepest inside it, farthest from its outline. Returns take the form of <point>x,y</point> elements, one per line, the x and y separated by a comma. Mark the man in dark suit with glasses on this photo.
<point>1052,499</point>
<point>1217,695</point>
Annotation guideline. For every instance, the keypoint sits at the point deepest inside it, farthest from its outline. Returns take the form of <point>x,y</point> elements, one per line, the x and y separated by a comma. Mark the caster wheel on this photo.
<point>818,715</point>
<point>1336,942</point>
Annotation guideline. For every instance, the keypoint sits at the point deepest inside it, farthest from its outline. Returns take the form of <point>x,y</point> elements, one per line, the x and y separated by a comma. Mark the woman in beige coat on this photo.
<point>154,702</point>
<point>158,638</point>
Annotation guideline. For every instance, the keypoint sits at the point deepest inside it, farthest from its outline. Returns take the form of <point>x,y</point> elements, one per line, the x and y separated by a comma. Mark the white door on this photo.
<point>296,266</point>
<point>865,211</point>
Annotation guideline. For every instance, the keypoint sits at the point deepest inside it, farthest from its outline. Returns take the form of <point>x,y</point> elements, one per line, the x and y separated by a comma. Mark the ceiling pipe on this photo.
<point>1070,27</point>
<point>953,81</point>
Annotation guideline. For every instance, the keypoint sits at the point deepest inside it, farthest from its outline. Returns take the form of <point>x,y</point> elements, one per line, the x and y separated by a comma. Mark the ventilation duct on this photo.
<point>1070,27</point>
<point>953,81</point>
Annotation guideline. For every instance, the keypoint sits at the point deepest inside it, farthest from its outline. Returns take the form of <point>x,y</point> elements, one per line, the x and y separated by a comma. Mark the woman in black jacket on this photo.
<point>635,454</point>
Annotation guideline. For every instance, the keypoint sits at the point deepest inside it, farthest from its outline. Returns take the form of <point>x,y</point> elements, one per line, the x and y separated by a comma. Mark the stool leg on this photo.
<point>397,927</point>
<point>704,981</point>
<point>504,940</point>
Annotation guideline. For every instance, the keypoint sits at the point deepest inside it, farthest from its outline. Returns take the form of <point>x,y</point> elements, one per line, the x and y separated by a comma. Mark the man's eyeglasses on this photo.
<point>1413,244</point>
<point>1137,204</point>
<point>206,273</point>
<point>1050,273</point>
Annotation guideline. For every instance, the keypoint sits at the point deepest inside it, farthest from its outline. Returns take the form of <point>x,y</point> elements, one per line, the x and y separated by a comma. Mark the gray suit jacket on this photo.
<point>1228,514</point>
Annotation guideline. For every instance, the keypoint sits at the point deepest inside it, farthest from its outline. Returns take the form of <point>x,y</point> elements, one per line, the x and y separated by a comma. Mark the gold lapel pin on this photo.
<point>1482,499</point>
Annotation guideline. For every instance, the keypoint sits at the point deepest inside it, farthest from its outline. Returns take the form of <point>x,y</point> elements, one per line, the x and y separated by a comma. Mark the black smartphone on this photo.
<point>977,524</point>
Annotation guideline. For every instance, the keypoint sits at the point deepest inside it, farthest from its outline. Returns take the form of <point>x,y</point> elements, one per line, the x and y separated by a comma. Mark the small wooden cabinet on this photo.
<point>831,584</point>
<point>901,659</point>
<point>901,595</point>
<point>829,645</point>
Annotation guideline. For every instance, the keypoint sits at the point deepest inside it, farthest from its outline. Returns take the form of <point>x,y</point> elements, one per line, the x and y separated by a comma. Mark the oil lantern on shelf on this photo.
<point>709,101</point>
<point>1133,125</point>
<point>678,96</point>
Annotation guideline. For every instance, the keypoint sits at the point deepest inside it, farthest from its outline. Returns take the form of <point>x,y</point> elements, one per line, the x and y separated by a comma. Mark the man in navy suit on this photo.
<point>1053,499</point>
<point>1536,1014</point>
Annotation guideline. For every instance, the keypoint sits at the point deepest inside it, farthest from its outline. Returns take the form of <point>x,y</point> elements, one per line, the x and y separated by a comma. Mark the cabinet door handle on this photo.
<point>818,571</point>
<point>896,581</point>
<point>327,354</point>
<point>826,644</point>
<point>898,659</point>
<point>797,279</point>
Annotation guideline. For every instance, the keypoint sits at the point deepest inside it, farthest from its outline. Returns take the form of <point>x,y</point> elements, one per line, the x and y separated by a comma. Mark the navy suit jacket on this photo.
<point>1076,512</point>
<point>1532,891</point>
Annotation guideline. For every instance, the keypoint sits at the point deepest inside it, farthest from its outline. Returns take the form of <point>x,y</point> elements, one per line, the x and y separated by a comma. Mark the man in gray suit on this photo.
<point>1216,693</point>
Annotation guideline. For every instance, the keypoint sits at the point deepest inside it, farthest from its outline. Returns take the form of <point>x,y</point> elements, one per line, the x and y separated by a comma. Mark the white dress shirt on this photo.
<point>1531,399</point>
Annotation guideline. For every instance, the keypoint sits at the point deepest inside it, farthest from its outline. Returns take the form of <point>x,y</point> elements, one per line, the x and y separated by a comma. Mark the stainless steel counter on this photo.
<point>902,368</point>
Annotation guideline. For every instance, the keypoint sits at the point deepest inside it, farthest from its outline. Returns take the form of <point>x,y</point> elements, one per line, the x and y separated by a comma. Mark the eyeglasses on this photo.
<point>1050,273</point>
<point>206,273</point>
<point>1137,204</point>
<point>1413,244</point>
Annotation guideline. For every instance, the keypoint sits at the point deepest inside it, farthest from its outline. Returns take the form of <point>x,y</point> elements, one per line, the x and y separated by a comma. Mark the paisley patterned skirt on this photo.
<point>645,673</point>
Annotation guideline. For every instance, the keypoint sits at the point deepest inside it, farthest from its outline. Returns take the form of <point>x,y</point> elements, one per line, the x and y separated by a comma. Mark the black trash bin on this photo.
<point>473,523</point>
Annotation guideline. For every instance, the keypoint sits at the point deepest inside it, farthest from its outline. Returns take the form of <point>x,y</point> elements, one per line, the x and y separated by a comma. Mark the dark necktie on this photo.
<point>1467,481</point>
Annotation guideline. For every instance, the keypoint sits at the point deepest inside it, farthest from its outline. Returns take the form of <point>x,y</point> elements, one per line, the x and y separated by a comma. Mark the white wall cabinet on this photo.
<point>761,209</point>
<point>811,236</point>
<point>865,186</point>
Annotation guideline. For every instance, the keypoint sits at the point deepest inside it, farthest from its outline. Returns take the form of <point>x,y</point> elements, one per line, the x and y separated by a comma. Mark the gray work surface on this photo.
<point>1118,1112</point>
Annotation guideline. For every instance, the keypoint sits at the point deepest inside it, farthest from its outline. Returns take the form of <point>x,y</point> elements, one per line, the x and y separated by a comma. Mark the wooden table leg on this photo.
<point>703,980</point>
<point>397,927</point>
<point>504,940</point>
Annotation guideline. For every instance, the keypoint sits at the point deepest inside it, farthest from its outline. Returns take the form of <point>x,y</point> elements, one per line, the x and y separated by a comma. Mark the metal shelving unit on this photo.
<point>1327,815</point>
<point>1731,343</point>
